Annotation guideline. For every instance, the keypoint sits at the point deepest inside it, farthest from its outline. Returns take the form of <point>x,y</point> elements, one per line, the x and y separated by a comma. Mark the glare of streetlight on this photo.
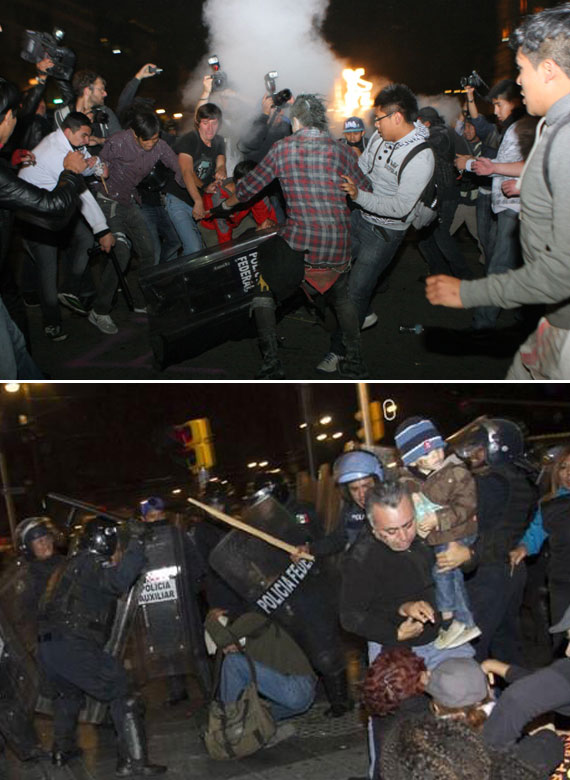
<point>177,116</point>
<point>303,425</point>
<point>321,437</point>
<point>263,463</point>
<point>160,111</point>
<point>326,420</point>
<point>252,465</point>
<point>338,435</point>
<point>12,387</point>
<point>176,491</point>
<point>116,51</point>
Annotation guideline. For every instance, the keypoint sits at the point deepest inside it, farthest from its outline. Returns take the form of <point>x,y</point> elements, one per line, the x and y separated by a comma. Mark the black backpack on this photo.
<point>425,210</point>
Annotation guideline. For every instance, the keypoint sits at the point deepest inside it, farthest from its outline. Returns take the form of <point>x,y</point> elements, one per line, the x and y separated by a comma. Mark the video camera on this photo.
<point>219,79</point>
<point>279,98</point>
<point>37,45</point>
<point>473,80</point>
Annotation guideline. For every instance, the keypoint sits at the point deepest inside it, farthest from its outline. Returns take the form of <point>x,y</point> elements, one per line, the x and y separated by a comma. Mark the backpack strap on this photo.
<point>549,141</point>
<point>410,156</point>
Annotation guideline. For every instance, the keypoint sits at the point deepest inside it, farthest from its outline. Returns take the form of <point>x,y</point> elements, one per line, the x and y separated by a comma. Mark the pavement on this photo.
<point>322,749</point>
<point>444,350</point>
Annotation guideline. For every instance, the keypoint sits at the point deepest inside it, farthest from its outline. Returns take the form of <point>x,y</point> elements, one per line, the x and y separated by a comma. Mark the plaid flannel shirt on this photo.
<point>309,165</point>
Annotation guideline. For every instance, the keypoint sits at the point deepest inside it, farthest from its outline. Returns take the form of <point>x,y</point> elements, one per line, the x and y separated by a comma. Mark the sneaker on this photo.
<point>449,635</point>
<point>103,322</point>
<point>140,310</point>
<point>329,364</point>
<point>55,332</point>
<point>467,635</point>
<point>72,302</point>
<point>370,320</point>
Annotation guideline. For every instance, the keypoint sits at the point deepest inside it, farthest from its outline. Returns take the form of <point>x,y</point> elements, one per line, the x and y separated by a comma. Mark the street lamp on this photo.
<point>12,387</point>
<point>338,435</point>
<point>321,437</point>
<point>263,463</point>
<point>252,465</point>
<point>303,426</point>
<point>326,420</point>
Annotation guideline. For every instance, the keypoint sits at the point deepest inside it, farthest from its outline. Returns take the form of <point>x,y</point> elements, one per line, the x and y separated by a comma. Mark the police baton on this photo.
<point>123,284</point>
<point>83,507</point>
<point>249,529</point>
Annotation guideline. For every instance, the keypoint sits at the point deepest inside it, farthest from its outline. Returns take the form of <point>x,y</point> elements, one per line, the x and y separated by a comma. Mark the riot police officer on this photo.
<point>36,537</point>
<point>506,497</point>
<point>74,618</point>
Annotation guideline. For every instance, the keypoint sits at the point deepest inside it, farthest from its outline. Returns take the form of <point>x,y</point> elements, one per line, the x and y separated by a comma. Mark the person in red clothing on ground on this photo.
<point>260,209</point>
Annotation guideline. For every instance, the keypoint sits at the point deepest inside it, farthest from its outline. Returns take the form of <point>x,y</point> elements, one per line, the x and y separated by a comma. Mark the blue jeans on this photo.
<point>181,215</point>
<point>15,360</point>
<point>505,257</point>
<point>374,249</point>
<point>164,237</point>
<point>288,694</point>
<point>450,591</point>
<point>439,248</point>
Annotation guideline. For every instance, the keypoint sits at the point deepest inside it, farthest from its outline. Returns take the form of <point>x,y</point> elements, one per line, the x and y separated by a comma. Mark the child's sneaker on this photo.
<point>448,635</point>
<point>469,633</point>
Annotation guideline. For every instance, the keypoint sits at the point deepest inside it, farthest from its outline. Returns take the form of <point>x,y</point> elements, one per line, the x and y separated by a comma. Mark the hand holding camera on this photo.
<point>148,71</point>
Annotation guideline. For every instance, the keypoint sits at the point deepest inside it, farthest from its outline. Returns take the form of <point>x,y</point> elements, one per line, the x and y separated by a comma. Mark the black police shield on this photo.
<point>15,604</point>
<point>168,633</point>
<point>297,595</point>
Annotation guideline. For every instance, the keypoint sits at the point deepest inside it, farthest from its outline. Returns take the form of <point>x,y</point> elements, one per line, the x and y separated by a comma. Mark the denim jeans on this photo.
<point>439,248</point>
<point>288,694</point>
<point>486,224</point>
<point>505,257</point>
<point>127,224</point>
<point>15,360</point>
<point>450,591</point>
<point>181,215</point>
<point>374,249</point>
<point>165,239</point>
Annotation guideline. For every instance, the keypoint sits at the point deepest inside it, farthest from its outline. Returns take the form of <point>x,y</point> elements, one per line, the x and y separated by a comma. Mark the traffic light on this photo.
<point>376,422</point>
<point>195,437</point>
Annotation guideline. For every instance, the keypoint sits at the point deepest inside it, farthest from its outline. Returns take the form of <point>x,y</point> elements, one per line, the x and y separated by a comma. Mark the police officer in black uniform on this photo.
<point>36,538</point>
<point>506,497</point>
<point>322,642</point>
<point>74,619</point>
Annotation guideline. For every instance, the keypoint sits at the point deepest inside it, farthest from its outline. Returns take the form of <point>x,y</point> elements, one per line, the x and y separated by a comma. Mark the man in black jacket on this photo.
<point>40,206</point>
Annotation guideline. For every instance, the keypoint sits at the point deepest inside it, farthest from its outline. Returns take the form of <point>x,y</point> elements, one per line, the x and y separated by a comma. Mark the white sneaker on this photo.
<point>449,635</point>
<point>370,320</point>
<point>103,322</point>
<point>329,364</point>
<point>466,636</point>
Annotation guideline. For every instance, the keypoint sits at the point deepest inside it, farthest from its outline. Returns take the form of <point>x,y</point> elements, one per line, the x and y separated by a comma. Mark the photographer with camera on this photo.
<point>36,203</point>
<point>272,124</point>
<point>87,92</point>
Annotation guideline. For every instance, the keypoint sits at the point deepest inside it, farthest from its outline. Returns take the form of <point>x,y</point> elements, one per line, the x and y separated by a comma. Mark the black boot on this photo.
<point>271,367</point>
<point>336,688</point>
<point>133,757</point>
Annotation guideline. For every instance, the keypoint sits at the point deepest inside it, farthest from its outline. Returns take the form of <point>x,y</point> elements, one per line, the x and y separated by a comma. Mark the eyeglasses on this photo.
<point>380,118</point>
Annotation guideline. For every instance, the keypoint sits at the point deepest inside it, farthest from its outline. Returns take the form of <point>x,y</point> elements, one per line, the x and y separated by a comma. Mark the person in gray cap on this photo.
<point>353,134</point>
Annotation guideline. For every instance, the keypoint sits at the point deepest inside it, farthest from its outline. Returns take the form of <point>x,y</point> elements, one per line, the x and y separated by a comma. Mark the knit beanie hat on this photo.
<point>416,437</point>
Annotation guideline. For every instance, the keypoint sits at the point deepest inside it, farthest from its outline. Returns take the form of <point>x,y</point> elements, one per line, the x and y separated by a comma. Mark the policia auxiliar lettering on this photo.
<point>73,623</point>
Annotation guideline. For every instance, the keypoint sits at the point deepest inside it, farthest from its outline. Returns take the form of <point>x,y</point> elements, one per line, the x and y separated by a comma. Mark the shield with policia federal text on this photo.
<point>297,595</point>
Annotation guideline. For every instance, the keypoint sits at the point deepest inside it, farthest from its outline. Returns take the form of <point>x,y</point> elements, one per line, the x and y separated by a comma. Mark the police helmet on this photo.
<point>267,483</point>
<point>29,530</point>
<point>99,536</point>
<point>357,464</point>
<point>501,440</point>
<point>150,504</point>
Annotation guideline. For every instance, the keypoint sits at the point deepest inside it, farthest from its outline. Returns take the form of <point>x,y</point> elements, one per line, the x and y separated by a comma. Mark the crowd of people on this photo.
<point>423,575</point>
<point>341,208</point>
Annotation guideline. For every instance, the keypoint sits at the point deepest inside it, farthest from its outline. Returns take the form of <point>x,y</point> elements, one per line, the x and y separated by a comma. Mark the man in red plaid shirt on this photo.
<point>312,248</point>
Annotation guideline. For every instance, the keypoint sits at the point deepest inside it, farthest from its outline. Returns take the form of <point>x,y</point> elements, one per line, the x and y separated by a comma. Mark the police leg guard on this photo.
<point>336,688</point>
<point>17,729</point>
<point>132,760</point>
<point>263,309</point>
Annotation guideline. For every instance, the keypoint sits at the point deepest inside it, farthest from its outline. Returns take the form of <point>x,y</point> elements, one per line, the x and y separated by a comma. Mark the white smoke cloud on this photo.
<point>252,37</point>
<point>447,106</point>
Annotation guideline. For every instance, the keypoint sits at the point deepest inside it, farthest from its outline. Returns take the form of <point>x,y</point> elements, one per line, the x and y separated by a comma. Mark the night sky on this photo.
<point>98,440</point>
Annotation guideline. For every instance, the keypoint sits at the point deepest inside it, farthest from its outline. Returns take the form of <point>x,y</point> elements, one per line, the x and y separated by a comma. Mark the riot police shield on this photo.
<point>168,632</point>
<point>297,595</point>
<point>15,603</point>
<point>18,692</point>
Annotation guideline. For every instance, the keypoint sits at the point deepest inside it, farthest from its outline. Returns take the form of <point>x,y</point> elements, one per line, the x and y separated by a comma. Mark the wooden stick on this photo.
<point>249,529</point>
